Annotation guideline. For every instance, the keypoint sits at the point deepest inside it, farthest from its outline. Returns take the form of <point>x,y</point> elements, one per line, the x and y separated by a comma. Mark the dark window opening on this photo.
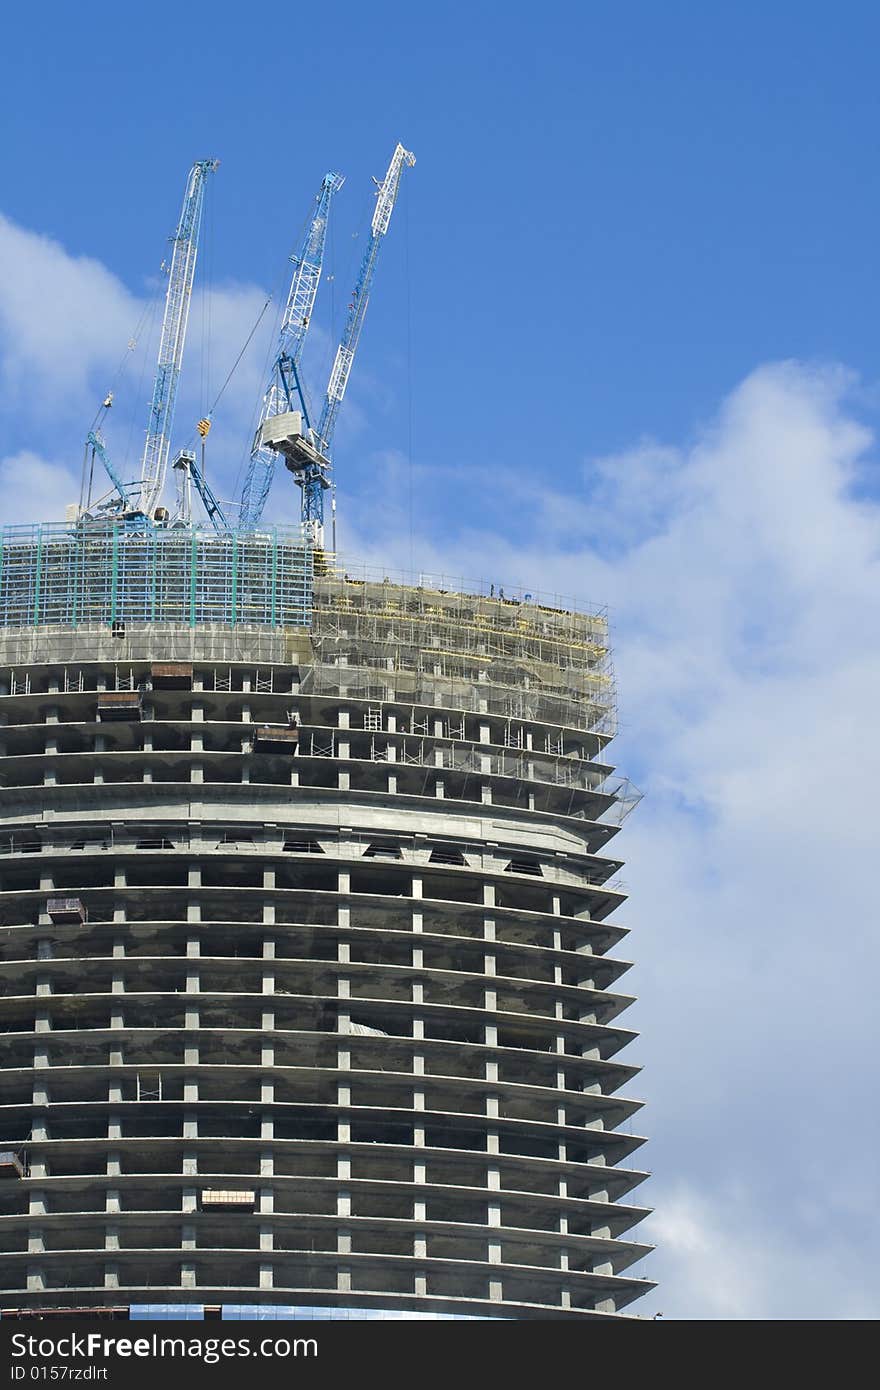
<point>442,854</point>
<point>382,849</point>
<point>524,865</point>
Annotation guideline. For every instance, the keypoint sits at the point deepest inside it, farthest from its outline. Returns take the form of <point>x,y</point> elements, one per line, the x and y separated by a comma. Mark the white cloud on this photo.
<point>61,316</point>
<point>722,1261</point>
<point>32,489</point>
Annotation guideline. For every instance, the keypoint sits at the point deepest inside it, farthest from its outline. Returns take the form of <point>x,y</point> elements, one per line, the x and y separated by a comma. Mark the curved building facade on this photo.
<point>309,954</point>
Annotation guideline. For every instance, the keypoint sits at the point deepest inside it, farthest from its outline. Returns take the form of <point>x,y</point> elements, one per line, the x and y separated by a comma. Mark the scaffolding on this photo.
<point>461,647</point>
<point>110,574</point>
<point>462,644</point>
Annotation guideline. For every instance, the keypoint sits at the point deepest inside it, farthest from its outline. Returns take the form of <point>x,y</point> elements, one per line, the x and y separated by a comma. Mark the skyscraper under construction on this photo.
<point>308,937</point>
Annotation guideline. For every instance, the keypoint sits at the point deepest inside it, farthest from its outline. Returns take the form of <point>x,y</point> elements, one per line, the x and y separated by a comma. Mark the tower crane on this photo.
<point>306,450</point>
<point>136,501</point>
<point>177,302</point>
<point>286,391</point>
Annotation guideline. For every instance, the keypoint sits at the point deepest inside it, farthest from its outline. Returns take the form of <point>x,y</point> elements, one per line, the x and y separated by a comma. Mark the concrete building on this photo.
<point>308,939</point>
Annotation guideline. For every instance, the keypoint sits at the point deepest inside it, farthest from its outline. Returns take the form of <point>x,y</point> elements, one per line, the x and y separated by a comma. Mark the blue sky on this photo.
<point>622,343</point>
<point>617,210</point>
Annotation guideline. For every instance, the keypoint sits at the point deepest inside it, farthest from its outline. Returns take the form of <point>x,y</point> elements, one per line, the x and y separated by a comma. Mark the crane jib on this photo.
<point>313,479</point>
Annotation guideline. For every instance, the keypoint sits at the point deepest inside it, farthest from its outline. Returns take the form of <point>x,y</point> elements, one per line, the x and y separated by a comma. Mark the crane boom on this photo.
<point>313,476</point>
<point>186,462</point>
<point>285,387</point>
<point>385,200</point>
<point>123,500</point>
<point>177,302</point>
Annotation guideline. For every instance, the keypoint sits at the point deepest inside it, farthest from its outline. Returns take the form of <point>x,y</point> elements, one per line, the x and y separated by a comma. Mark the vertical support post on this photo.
<point>114,573</point>
<point>76,548</point>
<point>234,616</point>
<point>274,575</point>
<point>39,575</point>
<point>192,581</point>
<point>154,553</point>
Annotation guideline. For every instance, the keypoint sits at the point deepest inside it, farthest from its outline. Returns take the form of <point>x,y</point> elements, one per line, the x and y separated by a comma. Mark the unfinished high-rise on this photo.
<point>308,938</point>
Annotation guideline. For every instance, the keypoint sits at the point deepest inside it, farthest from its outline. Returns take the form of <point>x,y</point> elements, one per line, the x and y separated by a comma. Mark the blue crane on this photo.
<point>171,342</point>
<point>314,481</point>
<point>185,463</point>
<point>306,450</point>
<point>124,501</point>
<point>137,501</point>
<point>286,390</point>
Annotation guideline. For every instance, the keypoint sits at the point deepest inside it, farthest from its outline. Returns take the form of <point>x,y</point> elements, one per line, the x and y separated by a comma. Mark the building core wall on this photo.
<point>308,963</point>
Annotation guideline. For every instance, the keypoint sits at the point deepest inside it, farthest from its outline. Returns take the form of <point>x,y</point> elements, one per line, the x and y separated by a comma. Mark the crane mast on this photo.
<point>286,388</point>
<point>312,471</point>
<point>177,302</point>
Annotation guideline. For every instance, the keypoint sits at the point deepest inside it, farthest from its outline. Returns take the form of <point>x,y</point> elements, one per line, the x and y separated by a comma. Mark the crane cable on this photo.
<point>124,359</point>
<point>145,358</point>
<point>235,364</point>
<point>148,310</point>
